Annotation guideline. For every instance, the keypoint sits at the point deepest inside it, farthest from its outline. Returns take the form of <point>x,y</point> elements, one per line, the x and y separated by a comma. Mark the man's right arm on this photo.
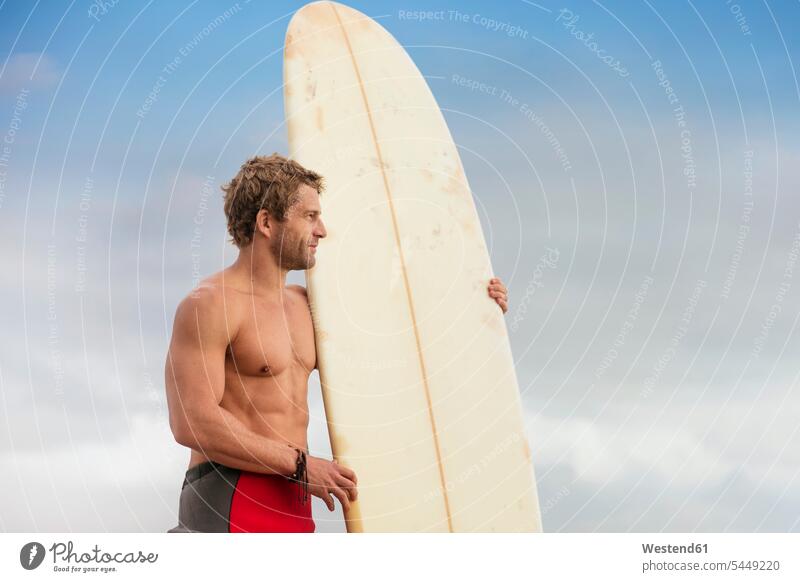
<point>195,381</point>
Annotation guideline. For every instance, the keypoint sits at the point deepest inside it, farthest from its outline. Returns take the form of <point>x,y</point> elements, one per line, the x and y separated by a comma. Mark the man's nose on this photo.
<point>321,231</point>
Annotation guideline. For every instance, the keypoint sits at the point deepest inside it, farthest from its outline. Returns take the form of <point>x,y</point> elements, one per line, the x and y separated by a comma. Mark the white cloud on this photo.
<point>28,71</point>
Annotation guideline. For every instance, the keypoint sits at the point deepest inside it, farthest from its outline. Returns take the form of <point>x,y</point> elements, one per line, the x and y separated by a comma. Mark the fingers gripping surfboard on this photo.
<point>417,375</point>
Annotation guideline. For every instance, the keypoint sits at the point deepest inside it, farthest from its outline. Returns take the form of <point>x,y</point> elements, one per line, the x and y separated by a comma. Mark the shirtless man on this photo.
<point>238,365</point>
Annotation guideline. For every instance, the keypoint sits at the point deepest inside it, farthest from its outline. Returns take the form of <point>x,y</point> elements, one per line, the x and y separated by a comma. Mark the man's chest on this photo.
<point>271,341</point>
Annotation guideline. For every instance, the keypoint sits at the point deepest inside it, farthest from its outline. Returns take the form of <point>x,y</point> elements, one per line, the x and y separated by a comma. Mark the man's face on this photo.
<point>296,238</point>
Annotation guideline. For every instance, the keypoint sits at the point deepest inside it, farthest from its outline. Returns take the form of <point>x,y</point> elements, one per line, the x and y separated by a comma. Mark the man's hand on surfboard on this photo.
<point>499,292</point>
<point>326,478</point>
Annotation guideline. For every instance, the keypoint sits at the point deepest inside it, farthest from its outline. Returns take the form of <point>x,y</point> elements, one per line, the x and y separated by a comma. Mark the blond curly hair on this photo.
<point>268,182</point>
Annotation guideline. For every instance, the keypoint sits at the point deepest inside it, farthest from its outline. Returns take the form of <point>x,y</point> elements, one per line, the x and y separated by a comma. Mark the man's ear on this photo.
<point>264,223</point>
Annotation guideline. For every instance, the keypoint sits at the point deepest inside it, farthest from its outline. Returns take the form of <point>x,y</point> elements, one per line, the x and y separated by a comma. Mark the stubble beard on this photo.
<point>289,256</point>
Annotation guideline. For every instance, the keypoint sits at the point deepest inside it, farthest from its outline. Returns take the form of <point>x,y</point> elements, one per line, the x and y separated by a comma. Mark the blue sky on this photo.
<point>578,158</point>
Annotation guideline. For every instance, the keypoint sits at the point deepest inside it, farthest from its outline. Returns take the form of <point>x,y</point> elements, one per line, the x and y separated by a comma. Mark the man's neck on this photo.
<point>256,267</point>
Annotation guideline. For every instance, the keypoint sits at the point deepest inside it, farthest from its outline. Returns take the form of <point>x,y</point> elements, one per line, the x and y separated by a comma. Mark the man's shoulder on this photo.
<point>299,289</point>
<point>217,291</point>
<point>207,313</point>
<point>205,296</point>
<point>205,302</point>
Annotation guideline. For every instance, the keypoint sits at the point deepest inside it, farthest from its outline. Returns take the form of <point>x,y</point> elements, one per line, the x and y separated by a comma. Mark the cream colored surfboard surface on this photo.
<point>418,380</point>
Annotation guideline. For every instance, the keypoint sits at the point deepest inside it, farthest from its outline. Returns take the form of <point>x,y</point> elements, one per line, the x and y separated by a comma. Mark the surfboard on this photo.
<point>417,375</point>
